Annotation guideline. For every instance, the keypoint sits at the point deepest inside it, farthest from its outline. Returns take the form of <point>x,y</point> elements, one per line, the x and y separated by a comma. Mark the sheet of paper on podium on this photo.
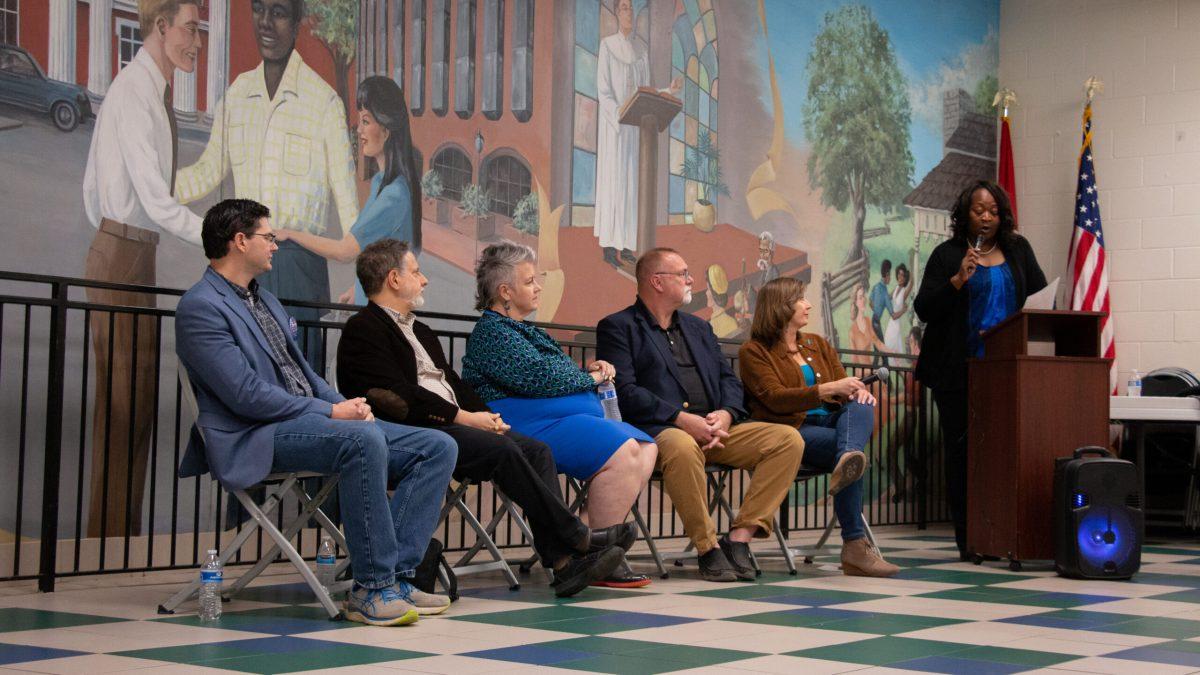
<point>1043,299</point>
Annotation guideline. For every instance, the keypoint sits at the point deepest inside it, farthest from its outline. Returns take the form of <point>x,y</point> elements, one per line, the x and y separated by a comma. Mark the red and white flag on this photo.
<point>1088,264</point>
<point>1005,174</point>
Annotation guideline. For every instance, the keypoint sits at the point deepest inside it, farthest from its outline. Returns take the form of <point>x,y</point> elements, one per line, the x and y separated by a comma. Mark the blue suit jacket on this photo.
<point>649,389</point>
<point>239,389</point>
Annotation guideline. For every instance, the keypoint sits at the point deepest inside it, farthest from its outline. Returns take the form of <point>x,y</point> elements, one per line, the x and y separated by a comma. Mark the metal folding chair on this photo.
<point>788,553</point>
<point>456,501</point>
<point>284,484</point>
<point>577,504</point>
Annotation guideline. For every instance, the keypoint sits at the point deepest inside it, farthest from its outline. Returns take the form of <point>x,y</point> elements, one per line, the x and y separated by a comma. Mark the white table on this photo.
<point>1138,411</point>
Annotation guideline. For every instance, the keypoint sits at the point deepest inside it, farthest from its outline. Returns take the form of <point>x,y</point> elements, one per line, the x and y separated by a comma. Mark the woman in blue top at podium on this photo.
<point>972,282</point>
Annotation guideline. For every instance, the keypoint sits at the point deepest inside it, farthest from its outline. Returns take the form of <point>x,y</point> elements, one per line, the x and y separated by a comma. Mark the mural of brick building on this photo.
<point>503,94</point>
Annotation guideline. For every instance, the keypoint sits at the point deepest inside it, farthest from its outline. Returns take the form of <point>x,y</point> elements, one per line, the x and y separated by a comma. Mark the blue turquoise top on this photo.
<point>993,299</point>
<point>809,380</point>
<point>508,358</point>
<point>387,213</point>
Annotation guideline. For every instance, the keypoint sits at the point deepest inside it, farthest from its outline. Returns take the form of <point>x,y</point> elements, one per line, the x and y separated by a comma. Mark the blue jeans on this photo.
<point>384,543</point>
<point>826,439</point>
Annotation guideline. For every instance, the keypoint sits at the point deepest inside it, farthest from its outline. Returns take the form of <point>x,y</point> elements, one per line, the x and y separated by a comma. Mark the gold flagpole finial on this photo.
<point>1004,99</point>
<point>1093,86</point>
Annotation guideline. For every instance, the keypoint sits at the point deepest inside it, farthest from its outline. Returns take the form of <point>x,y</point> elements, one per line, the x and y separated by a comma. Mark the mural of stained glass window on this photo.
<point>694,158</point>
<point>594,20</point>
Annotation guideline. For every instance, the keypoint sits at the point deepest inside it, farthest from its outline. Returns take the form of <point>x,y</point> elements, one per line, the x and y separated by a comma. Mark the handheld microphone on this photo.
<point>978,242</point>
<point>881,374</point>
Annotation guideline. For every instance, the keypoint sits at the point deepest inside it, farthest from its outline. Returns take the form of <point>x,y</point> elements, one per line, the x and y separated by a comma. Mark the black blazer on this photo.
<point>943,360</point>
<point>649,389</point>
<point>373,353</point>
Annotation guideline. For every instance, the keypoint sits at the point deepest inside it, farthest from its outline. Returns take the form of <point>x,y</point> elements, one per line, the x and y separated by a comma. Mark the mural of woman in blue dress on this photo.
<point>393,208</point>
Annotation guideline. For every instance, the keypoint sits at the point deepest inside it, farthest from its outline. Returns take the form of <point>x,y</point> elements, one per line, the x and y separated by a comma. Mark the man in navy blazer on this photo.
<point>674,384</point>
<point>263,410</point>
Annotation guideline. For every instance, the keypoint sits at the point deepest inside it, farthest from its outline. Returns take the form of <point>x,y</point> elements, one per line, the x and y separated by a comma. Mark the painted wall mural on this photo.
<point>819,139</point>
<point>822,140</point>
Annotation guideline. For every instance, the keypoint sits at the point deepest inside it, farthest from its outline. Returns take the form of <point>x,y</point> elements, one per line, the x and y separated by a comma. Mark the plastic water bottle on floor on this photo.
<point>210,587</point>
<point>607,392</point>
<point>326,564</point>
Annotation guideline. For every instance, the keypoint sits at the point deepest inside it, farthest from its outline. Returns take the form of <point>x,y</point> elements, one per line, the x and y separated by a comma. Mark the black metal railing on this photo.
<point>57,516</point>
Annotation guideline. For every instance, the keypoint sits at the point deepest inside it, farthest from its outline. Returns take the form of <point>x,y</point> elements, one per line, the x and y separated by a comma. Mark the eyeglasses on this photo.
<point>682,275</point>
<point>269,236</point>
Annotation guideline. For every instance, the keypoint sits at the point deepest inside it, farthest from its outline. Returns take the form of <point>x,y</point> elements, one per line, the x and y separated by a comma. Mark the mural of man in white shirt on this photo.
<point>129,197</point>
<point>622,67</point>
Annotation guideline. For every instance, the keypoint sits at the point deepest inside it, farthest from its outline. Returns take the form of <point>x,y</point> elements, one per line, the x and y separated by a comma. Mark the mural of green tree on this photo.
<point>856,91</point>
<point>335,24</point>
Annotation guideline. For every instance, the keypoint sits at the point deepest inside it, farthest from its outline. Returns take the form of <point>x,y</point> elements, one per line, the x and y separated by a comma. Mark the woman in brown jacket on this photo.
<point>788,375</point>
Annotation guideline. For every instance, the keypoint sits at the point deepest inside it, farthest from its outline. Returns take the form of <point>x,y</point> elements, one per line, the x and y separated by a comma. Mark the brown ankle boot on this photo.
<point>849,469</point>
<point>861,559</point>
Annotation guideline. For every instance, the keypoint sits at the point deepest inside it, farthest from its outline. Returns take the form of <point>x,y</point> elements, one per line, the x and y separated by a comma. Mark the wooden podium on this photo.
<point>651,111</point>
<point>1040,391</point>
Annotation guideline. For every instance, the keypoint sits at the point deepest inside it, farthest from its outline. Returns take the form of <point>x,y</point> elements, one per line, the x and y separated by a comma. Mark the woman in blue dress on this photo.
<point>522,373</point>
<point>393,209</point>
<point>972,282</point>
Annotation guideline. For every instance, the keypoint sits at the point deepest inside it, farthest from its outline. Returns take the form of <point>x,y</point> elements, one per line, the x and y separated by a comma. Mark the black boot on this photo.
<point>622,535</point>
<point>584,569</point>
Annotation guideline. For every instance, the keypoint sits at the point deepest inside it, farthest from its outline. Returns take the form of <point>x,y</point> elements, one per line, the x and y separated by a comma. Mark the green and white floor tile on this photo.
<point>938,615</point>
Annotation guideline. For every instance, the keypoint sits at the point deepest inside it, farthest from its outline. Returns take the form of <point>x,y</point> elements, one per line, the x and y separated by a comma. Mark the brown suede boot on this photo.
<point>850,467</point>
<point>861,559</point>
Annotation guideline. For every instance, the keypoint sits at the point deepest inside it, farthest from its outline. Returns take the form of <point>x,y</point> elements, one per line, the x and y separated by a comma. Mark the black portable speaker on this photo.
<point>1098,518</point>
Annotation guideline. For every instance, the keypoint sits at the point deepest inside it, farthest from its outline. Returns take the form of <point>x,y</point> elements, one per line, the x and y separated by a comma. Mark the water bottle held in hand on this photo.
<point>607,392</point>
<point>210,587</point>
<point>326,564</point>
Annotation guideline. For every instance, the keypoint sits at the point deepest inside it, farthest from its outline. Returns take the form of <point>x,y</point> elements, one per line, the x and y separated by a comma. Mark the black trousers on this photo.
<point>952,413</point>
<point>523,468</point>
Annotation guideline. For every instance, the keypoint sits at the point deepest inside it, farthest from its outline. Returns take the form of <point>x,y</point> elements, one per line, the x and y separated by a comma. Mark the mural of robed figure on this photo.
<point>623,66</point>
<point>129,196</point>
<point>281,130</point>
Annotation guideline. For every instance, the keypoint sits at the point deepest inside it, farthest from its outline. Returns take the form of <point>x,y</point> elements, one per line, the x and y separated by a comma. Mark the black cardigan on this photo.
<point>943,360</point>
<point>373,353</point>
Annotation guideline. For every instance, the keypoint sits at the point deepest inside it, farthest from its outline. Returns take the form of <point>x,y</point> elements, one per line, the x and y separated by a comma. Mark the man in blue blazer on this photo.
<point>263,410</point>
<point>674,384</point>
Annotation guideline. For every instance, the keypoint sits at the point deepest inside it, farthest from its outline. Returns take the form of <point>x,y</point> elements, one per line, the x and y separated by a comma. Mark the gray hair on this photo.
<point>498,265</point>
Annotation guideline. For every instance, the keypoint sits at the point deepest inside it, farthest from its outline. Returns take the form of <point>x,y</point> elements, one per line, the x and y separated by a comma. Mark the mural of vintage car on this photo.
<point>23,83</point>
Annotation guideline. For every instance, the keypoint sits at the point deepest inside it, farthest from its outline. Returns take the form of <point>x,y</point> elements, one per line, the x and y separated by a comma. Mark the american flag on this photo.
<point>1088,263</point>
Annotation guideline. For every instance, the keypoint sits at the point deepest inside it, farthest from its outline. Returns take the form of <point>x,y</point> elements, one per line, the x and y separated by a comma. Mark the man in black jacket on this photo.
<point>397,362</point>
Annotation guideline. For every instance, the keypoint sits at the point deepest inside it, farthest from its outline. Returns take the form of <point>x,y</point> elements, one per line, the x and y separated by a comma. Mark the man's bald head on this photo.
<point>651,262</point>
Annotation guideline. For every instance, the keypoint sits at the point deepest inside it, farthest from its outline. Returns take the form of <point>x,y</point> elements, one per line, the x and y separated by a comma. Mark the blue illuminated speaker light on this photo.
<point>1098,517</point>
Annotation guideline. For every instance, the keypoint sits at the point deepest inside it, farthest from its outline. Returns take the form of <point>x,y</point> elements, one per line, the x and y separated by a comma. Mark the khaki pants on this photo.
<point>772,451</point>
<point>123,417</point>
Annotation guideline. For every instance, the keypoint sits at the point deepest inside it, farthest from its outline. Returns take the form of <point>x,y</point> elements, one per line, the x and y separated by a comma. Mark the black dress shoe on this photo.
<point>622,535</point>
<point>628,256</point>
<point>738,554</point>
<point>623,577</point>
<point>714,566</point>
<point>610,257</point>
<point>584,569</point>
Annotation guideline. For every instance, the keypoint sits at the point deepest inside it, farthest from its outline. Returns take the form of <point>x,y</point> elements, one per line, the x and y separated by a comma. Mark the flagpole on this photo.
<point>1088,260</point>
<point>1005,161</point>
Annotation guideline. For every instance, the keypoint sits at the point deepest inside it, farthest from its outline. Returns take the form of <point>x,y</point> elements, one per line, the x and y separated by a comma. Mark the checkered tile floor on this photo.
<point>938,616</point>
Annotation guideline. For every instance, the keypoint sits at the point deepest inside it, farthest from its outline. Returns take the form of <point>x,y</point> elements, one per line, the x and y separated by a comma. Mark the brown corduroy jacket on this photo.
<point>774,383</point>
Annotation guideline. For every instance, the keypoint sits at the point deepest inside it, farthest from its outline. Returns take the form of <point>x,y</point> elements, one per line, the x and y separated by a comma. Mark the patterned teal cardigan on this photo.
<point>515,358</point>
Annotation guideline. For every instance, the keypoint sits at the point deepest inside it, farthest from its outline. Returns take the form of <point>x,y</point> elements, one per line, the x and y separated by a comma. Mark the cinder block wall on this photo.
<point>1147,151</point>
